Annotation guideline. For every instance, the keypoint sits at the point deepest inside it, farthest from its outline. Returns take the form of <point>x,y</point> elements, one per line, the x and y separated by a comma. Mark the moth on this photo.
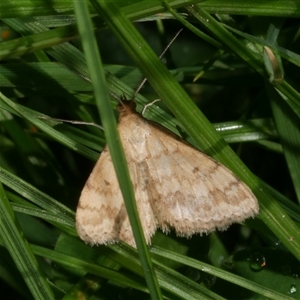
<point>176,187</point>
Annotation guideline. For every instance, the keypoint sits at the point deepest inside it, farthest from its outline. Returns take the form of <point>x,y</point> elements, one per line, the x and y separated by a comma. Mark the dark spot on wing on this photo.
<point>195,170</point>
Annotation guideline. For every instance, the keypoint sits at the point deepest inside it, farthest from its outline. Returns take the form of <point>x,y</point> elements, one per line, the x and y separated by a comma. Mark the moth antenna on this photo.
<point>71,122</point>
<point>82,122</point>
<point>119,99</point>
<point>161,55</point>
<point>148,105</point>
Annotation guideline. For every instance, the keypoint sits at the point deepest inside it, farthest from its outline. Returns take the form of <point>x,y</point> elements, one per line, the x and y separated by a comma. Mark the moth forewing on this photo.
<point>175,185</point>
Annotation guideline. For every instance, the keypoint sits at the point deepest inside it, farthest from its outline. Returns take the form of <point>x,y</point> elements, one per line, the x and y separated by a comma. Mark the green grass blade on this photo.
<point>97,74</point>
<point>35,196</point>
<point>172,281</point>
<point>288,125</point>
<point>20,251</point>
<point>85,266</point>
<point>24,8</point>
<point>257,288</point>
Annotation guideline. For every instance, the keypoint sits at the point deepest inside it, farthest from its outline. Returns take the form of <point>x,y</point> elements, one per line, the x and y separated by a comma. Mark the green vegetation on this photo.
<point>237,61</point>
